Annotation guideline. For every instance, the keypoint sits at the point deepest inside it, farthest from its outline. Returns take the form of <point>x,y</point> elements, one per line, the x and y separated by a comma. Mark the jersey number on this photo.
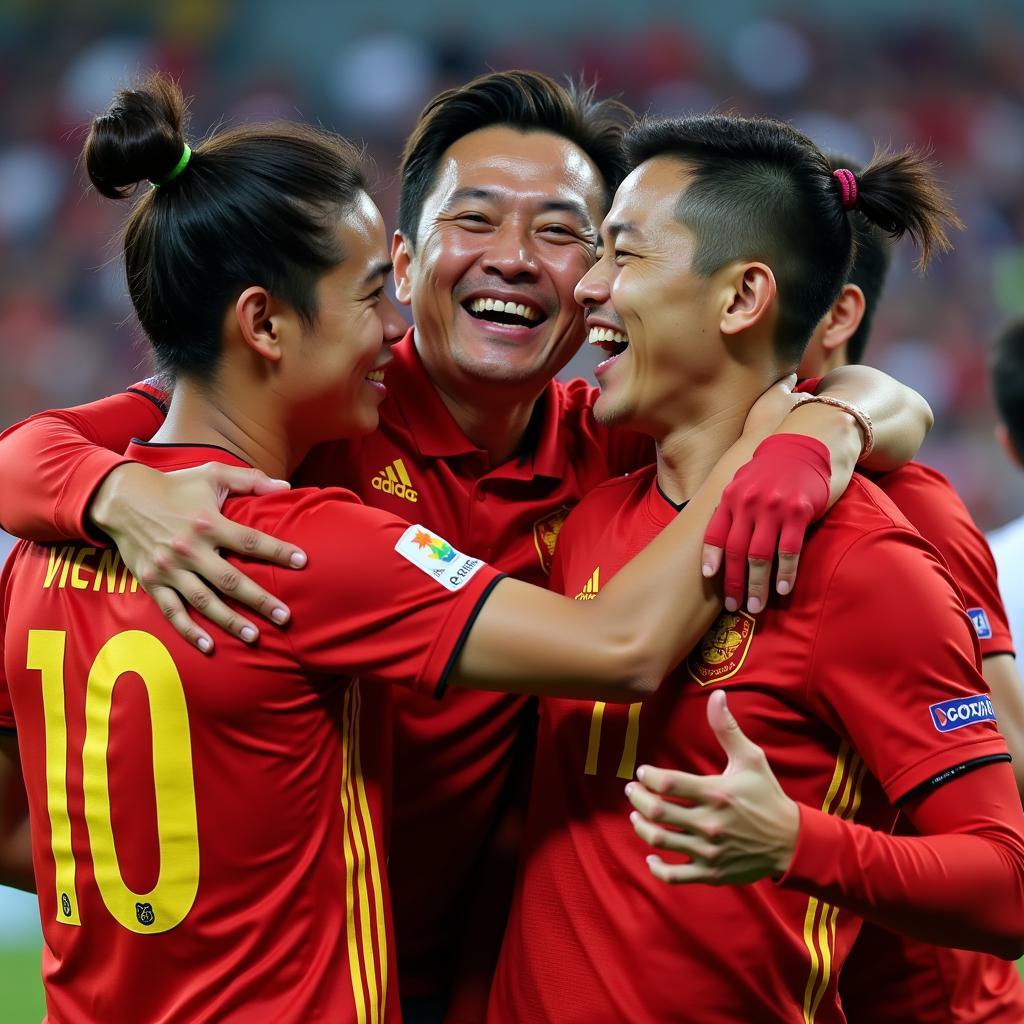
<point>627,763</point>
<point>166,904</point>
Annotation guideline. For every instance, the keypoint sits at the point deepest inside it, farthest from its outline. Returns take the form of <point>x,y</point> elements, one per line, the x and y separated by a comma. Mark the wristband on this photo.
<point>862,419</point>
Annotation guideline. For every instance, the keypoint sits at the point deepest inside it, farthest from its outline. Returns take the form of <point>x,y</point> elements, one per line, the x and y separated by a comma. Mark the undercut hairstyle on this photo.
<point>1008,381</point>
<point>257,205</point>
<point>527,101</point>
<point>759,189</point>
<point>872,254</point>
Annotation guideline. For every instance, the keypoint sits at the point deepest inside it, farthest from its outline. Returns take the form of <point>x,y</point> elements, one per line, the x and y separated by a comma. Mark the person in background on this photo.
<point>890,977</point>
<point>1008,541</point>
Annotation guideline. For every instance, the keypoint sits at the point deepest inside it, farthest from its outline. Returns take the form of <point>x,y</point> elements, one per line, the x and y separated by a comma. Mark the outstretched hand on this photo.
<point>735,827</point>
<point>170,531</point>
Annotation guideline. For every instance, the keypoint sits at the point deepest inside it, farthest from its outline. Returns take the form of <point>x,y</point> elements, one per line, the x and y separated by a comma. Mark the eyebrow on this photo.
<point>572,206</point>
<point>621,227</point>
<point>378,269</point>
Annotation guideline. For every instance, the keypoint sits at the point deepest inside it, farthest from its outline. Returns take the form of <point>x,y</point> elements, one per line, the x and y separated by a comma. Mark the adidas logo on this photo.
<point>591,587</point>
<point>394,479</point>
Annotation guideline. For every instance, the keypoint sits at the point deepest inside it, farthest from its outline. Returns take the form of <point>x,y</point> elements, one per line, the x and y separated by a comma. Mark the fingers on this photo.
<point>667,782</point>
<point>680,874</point>
<point>694,846</point>
<point>173,609</point>
<point>229,580</point>
<point>714,539</point>
<point>791,542</point>
<point>736,548</point>
<point>193,589</point>
<point>244,540</point>
<point>727,730</point>
<point>237,480</point>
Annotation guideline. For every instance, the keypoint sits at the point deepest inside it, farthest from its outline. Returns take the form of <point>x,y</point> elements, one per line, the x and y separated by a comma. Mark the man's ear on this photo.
<point>750,290</point>
<point>259,323</point>
<point>401,257</point>
<point>844,318</point>
<point>1006,443</point>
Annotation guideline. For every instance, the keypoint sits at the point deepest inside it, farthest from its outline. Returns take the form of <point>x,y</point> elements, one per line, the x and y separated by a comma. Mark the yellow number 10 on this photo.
<point>166,905</point>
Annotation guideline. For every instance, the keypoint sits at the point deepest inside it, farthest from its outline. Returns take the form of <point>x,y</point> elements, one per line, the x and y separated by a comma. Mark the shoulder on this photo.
<point>914,483</point>
<point>606,501</point>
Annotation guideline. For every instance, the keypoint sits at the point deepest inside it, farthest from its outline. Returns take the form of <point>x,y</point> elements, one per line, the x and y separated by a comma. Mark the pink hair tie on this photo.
<point>848,183</point>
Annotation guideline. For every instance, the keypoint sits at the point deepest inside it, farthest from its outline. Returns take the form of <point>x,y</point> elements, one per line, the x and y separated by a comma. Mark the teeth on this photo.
<point>377,376</point>
<point>499,306</point>
<point>598,335</point>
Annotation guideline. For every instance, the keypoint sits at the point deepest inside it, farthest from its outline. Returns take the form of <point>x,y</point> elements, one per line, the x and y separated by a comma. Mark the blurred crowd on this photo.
<point>66,329</point>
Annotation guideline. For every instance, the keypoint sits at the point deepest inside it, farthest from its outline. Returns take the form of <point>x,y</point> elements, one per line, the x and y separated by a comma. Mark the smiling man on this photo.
<point>722,250</point>
<point>504,181</point>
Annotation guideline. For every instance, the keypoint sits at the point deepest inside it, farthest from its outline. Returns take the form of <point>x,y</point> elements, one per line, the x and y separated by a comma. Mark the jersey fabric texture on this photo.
<point>836,682</point>
<point>209,834</point>
<point>454,758</point>
<point>890,978</point>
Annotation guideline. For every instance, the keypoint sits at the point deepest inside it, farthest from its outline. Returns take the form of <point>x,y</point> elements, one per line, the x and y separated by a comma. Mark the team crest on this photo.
<point>721,652</point>
<point>545,535</point>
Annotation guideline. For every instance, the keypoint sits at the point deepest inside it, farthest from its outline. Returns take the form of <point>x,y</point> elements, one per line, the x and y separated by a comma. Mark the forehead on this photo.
<point>650,194</point>
<point>363,240</point>
<point>519,168</point>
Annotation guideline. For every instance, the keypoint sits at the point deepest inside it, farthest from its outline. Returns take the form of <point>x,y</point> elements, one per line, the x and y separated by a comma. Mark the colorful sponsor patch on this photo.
<point>721,653</point>
<point>545,535</point>
<point>955,714</point>
<point>437,558</point>
<point>981,624</point>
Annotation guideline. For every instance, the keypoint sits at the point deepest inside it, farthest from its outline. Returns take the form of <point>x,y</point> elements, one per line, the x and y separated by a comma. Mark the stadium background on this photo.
<point>945,74</point>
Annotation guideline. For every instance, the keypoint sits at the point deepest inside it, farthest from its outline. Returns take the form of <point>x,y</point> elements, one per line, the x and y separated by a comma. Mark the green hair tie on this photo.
<point>186,153</point>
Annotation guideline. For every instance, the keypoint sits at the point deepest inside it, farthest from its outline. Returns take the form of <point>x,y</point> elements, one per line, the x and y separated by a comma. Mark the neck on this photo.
<point>198,416</point>
<point>689,448</point>
<point>496,427</point>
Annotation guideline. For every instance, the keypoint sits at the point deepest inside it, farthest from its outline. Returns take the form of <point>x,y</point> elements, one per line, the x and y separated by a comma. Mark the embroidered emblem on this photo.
<point>721,653</point>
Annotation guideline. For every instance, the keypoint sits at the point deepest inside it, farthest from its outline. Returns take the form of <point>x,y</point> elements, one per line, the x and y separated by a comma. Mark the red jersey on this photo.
<point>890,978</point>
<point>856,692</point>
<point>454,757</point>
<point>208,834</point>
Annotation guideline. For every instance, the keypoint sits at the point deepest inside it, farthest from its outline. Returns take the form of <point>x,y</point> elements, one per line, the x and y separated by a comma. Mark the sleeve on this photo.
<point>378,598</point>
<point>808,386</point>
<point>894,665</point>
<point>934,508</point>
<point>960,882</point>
<point>52,463</point>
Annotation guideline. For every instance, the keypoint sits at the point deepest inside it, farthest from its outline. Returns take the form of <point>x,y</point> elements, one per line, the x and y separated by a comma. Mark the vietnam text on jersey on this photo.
<point>831,682</point>
<point>208,834</point>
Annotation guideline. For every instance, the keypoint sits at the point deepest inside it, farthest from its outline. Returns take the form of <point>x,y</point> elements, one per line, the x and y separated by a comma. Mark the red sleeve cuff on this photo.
<point>72,510</point>
<point>817,845</point>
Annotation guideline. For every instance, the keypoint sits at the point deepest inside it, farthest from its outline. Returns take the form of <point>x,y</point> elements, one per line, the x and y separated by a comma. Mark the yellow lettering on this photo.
<point>76,575</point>
<point>110,562</point>
<point>56,561</point>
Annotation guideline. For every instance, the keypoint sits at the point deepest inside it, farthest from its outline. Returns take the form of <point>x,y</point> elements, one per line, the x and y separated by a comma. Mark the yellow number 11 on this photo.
<point>627,763</point>
<point>171,898</point>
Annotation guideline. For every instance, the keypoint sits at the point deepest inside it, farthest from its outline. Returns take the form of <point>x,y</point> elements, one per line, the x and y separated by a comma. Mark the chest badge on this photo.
<point>721,652</point>
<point>545,535</point>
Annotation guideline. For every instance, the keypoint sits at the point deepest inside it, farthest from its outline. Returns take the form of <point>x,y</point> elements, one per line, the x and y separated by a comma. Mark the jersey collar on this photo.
<point>180,456</point>
<point>437,435</point>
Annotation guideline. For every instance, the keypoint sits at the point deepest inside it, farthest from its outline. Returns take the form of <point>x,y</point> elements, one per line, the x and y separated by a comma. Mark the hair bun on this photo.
<point>139,138</point>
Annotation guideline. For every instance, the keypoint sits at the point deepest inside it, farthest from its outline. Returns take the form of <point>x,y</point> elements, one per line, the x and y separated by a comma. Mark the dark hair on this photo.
<point>760,189</point>
<point>872,253</point>
<point>526,100</point>
<point>1008,380</point>
<point>254,205</point>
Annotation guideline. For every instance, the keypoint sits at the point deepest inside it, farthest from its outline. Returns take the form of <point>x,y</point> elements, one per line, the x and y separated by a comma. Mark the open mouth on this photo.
<point>510,314</point>
<point>612,341</point>
<point>376,376</point>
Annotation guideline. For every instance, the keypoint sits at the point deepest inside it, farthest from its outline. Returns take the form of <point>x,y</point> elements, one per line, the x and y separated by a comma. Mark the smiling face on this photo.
<point>505,234</point>
<point>657,318</point>
<point>335,378</point>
